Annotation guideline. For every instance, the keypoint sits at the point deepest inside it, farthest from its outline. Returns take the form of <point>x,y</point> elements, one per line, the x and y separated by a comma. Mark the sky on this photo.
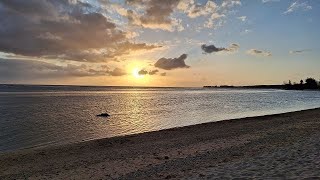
<point>189,43</point>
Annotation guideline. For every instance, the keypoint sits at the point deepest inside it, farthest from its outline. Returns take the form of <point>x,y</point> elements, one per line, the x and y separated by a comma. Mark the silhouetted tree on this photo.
<point>311,83</point>
<point>301,82</point>
<point>287,85</point>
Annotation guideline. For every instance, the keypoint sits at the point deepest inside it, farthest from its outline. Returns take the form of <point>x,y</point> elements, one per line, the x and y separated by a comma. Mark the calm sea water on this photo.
<point>33,116</point>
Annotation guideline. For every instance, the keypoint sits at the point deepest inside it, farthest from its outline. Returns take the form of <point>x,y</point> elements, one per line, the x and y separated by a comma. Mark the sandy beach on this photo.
<point>267,147</point>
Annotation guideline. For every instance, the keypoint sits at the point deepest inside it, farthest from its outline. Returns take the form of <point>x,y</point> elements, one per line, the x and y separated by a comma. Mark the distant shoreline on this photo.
<point>280,87</point>
<point>248,87</point>
<point>184,152</point>
<point>308,84</point>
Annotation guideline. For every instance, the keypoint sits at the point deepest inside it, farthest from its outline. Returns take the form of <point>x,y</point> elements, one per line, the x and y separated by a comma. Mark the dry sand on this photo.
<point>284,146</point>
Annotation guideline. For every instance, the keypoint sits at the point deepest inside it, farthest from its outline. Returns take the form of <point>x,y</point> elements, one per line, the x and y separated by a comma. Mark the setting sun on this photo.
<point>137,78</point>
<point>135,73</point>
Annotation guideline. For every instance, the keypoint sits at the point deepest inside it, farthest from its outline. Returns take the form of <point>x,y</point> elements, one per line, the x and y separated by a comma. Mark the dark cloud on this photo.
<point>156,14</point>
<point>143,72</point>
<point>159,11</point>
<point>14,69</point>
<point>61,29</point>
<point>256,52</point>
<point>153,72</point>
<point>212,48</point>
<point>172,63</point>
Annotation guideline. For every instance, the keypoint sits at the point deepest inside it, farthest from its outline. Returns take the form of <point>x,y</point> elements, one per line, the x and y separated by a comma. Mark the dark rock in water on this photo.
<point>103,115</point>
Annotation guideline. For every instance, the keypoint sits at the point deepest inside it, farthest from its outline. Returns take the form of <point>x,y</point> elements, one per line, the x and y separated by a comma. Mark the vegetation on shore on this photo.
<point>309,83</point>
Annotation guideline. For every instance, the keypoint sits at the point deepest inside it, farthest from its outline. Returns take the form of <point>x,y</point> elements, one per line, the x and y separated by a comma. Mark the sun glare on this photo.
<point>135,73</point>
<point>135,78</point>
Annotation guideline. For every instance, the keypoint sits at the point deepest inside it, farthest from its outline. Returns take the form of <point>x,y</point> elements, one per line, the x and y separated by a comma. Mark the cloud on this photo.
<point>242,18</point>
<point>117,72</point>
<point>217,18</point>
<point>298,6</point>
<point>194,10</point>
<point>153,72</point>
<point>172,63</point>
<point>63,30</point>
<point>256,52</point>
<point>163,74</point>
<point>299,51</point>
<point>212,48</point>
<point>153,14</point>
<point>145,72</point>
<point>246,31</point>
<point>15,69</point>
<point>267,1</point>
<point>215,12</point>
<point>214,17</point>
<point>230,3</point>
<point>233,47</point>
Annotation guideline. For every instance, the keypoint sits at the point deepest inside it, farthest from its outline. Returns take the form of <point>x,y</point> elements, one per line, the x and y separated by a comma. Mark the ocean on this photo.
<point>33,116</point>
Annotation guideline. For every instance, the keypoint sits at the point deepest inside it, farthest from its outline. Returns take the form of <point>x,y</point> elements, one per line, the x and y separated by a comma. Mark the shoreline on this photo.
<point>179,152</point>
<point>48,146</point>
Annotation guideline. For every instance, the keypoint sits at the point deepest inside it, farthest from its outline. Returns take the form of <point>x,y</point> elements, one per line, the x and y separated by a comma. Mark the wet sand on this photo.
<point>268,147</point>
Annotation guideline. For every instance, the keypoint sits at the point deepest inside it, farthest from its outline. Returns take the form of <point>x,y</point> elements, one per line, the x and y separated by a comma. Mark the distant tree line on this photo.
<point>309,83</point>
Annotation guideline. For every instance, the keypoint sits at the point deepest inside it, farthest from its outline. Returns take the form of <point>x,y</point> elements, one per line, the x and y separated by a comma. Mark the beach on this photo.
<point>266,147</point>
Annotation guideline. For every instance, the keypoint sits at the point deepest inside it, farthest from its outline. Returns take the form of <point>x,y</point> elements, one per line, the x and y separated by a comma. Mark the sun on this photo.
<point>135,73</point>
<point>133,69</point>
